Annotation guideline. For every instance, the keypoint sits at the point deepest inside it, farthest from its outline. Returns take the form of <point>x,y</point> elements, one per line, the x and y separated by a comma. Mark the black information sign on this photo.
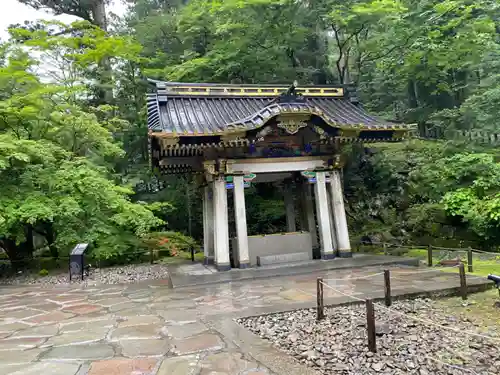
<point>76,260</point>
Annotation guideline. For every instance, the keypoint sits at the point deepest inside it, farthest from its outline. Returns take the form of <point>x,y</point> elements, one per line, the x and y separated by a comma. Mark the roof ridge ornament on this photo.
<point>291,95</point>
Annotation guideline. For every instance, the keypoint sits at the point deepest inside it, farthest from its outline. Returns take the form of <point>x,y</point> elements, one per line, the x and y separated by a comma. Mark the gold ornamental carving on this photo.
<point>233,137</point>
<point>222,166</point>
<point>322,134</point>
<point>291,126</point>
<point>169,142</point>
<point>209,167</point>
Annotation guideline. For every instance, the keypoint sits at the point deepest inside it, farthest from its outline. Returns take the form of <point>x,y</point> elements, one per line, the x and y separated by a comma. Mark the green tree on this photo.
<point>56,156</point>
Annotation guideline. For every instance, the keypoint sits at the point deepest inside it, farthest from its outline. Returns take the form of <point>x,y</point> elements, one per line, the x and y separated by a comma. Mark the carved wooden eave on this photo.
<point>189,120</point>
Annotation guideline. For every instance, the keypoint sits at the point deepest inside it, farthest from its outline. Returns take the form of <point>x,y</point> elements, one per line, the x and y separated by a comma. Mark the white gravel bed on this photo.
<point>113,275</point>
<point>338,344</point>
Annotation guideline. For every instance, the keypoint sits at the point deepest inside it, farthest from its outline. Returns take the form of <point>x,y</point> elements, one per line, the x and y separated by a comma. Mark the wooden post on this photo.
<point>385,248</point>
<point>370,326</point>
<point>320,308</point>
<point>469,259</point>
<point>192,253</point>
<point>463,282</point>
<point>429,256</point>
<point>387,287</point>
<point>151,256</point>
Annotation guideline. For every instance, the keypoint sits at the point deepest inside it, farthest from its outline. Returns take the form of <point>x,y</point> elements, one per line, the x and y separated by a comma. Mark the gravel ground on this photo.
<point>338,345</point>
<point>113,275</point>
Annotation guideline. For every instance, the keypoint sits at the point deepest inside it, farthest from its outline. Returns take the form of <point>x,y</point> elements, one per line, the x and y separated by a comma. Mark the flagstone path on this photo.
<point>150,329</point>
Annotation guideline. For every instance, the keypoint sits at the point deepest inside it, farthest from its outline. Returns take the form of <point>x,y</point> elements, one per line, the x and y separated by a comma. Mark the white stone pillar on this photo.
<point>309,213</point>
<point>221,231</point>
<point>241,222</point>
<point>208,225</point>
<point>332,220</point>
<point>343,243</point>
<point>289,208</point>
<point>323,216</point>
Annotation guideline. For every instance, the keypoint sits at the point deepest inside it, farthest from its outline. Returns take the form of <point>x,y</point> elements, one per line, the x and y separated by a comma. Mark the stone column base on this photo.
<point>345,254</point>
<point>223,267</point>
<point>208,260</point>
<point>328,256</point>
<point>244,265</point>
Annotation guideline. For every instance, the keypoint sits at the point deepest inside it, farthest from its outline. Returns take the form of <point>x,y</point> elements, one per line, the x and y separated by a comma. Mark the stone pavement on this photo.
<point>197,274</point>
<point>151,329</point>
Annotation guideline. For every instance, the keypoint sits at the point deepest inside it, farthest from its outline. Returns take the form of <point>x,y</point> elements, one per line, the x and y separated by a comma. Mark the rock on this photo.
<point>382,329</point>
<point>377,366</point>
<point>320,363</point>
<point>475,345</point>
<point>410,364</point>
<point>131,273</point>
<point>310,354</point>
<point>293,337</point>
<point>340,367</point>
<point>337,345</point>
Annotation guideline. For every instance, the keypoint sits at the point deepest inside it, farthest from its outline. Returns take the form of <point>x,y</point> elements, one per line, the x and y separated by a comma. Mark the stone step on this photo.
<point>265,260</point>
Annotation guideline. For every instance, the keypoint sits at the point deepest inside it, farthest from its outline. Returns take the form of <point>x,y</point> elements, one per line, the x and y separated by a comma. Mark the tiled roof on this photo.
<point>207,109</point>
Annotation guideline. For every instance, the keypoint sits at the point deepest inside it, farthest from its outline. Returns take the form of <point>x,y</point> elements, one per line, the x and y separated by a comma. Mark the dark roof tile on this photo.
<point>209,109</point>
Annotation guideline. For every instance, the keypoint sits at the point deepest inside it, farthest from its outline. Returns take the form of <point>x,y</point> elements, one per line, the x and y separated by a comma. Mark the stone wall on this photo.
<point>276,244</point>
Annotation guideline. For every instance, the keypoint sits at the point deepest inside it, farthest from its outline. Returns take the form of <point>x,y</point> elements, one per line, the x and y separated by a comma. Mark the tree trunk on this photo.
<point>51,238</point>
<point>20,255</point>
<point>98,11</point>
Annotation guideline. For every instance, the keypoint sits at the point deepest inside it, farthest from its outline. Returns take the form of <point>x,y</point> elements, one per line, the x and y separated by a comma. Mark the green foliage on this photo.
<point>475,195</point>
<point>43,272</point>
<point>430,62</point>
<point>424,191</point>
<point>74,158</point>
<point>169,243</point>
<point>56,154</point>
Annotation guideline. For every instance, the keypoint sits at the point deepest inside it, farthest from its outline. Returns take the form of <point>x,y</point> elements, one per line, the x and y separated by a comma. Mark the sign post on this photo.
<point>247,181</point>
<point>76,260</point>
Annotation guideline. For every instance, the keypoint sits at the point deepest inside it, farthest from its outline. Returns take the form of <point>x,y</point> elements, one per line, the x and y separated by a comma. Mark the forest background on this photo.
<point>73,134</point>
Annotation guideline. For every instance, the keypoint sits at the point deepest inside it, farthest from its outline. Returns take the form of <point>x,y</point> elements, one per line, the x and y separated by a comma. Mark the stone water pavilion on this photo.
<point>234,135</point>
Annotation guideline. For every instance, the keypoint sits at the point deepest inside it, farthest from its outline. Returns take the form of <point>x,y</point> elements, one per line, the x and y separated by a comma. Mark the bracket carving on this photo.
<point>209,169</point>
<point>233,136</point>
<point>350,133</point>
<point>222,166</point>
<point>168,142</point>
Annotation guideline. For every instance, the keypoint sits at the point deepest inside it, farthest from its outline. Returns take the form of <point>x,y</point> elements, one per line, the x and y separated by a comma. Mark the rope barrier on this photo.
<point>424,321</point>
<point>426,271</point>
<point>393,272</point>
<point>449,248</point>
<point>356,278</point>
<point>397,312</point>
<point>66,257</point>
<point>345,294</point>
<point>456,367</point>
<point>430,322</point>
<point>389,245</point>
<point>485,252</point>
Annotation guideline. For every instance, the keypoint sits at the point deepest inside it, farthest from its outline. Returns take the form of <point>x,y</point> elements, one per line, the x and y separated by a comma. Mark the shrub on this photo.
<point>43,272</point>
<point>168,243</point>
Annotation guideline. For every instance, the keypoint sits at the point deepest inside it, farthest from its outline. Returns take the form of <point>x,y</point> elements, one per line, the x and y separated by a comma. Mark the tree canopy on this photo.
<point>58,152</point>
<point>73,151</point>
